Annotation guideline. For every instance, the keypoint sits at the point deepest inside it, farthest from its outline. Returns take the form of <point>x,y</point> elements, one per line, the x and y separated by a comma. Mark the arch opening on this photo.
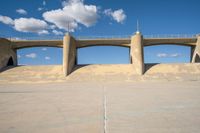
<point>167,53</point>
<point>103,55</point>
<point>10,62</point>
<point>197,58</point>
<point>40,56</point>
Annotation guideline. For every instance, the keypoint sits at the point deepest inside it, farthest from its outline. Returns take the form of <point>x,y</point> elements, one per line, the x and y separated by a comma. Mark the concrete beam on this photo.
<point>136,53</point>
<point>172,41</point>
<point>196,53</point>
<point>69,54</point>
<point>19,44</point>
<point>103,42</point>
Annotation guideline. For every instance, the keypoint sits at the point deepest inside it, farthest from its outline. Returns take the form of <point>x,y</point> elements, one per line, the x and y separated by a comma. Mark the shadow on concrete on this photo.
<point>149,66</point>
<point>8,68</point>
<point>76,67</point>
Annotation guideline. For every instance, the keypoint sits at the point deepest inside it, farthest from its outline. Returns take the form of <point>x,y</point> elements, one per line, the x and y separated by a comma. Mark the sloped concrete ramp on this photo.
<point>107,73</point>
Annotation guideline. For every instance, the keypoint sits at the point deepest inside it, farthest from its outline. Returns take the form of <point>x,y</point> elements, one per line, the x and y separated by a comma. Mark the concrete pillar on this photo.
<point>196,53</point>
<point>6,53</point>
<point>69,54</point>
<point>136,53</point>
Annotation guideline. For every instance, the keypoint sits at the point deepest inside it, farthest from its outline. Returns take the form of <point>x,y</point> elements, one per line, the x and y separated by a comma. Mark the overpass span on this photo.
<point>70,45</point>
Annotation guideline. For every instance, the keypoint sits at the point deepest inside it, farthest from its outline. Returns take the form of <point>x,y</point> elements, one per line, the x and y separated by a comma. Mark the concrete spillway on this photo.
<point>32,74</point>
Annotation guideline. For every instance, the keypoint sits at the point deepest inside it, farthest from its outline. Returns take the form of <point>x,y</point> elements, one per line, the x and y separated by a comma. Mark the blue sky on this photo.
<point>52,18</point>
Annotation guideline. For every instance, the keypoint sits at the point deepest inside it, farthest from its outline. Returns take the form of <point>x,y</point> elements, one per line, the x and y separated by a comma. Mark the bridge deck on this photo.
<point>123,42</point>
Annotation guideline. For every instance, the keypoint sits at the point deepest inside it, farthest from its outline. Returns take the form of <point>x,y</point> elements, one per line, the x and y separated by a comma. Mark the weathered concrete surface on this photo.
<point>19,44</point>
<point>173,41</point>
<point>69,54</point>
<point>136,53</point>
<point>6,52</point>
<point>196,53</point>
<point>104,73</point>
<point>77,107</point>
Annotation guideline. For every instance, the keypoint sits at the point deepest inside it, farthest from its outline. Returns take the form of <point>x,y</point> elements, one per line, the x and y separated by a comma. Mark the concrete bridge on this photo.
<point>8,48</point>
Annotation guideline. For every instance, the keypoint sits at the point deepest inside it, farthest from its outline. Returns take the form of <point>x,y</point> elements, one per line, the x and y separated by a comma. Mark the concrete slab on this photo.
<point>141,107</point>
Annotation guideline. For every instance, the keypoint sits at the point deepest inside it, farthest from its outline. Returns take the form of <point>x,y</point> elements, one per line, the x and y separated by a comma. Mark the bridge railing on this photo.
<point>171,36</point>
<point>33,38</point>
<point>102,37</point>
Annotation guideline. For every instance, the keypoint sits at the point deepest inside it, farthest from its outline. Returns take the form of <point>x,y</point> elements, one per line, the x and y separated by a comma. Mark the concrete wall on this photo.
<point>69,54</point>
<point>196,53</point>
<point>6,52</point>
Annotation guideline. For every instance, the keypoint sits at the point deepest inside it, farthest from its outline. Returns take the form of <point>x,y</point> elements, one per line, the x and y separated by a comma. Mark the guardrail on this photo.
<point>102,37</point>
<point>171,36</point>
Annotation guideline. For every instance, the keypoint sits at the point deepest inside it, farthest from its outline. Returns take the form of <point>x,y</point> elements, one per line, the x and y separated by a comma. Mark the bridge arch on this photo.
<point>111,54</point>
<point>36,46</point>
<point>39,55</point>
<point>173,43</point>
<point>167,53</point>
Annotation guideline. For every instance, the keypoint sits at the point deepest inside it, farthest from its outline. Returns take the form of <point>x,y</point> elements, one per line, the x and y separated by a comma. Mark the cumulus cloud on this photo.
<point>31,55</point>
<point>118,15</point>
<point>163,55</point>
<point>21,11</point>
<point>74,12</point>
<point>47,58</point>
<point>31,25</point>
<point>44,49</point>
<point>57,32</point>
<point>6,20</point>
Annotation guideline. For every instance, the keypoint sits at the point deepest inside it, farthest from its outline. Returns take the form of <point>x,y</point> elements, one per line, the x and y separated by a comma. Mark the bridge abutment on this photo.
<point>69,54</point>
<point>196,53</point>
<point>8,56</point>
<point>136,53</point>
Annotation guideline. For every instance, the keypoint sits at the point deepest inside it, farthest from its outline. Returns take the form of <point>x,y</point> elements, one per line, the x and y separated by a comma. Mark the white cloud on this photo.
<point>21,11</point>
<point>52,26</point>
<point>74,12</point>
<point>57,32</point>
<point>117,15</point>
<point>44,3</point>
<point>162,55</point>
<point>31,25</point>
<point>26,24</point>
<point>175,55</point>
<point>44,49</point>
<point>31,55</point>
<point>43,32</point>
<point>47,58</point>
<point>40,8</point>
<point>19,56</point>
<point>6,20</point>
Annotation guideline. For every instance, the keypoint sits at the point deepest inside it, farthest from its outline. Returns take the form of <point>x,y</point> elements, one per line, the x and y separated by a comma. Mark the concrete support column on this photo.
<point>69,54</point>
<point>136,53</point>
<point>7,53</point>
<point>196,53</point>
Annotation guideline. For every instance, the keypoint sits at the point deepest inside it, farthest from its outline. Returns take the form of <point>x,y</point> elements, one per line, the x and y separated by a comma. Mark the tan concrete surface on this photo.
<point>69,54</point>
<point>6,52</point>
<point>136,53</point>
<point>196,53</point>
<point>77,107</point>
<point>104,73</point>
